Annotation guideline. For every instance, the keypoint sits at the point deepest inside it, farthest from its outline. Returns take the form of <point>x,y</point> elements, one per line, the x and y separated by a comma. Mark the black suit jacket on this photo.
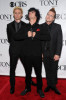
<point>16,46</point>
<point>32,46</point>
<point>55,45</point>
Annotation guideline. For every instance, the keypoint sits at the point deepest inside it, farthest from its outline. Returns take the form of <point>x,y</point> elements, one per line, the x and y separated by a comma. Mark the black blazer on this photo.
<point>15,46</point>
<point>55,45</point>
<point>32,46</point>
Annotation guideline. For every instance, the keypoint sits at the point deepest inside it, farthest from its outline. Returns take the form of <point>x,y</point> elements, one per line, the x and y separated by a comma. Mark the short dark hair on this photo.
<point>37,14</point>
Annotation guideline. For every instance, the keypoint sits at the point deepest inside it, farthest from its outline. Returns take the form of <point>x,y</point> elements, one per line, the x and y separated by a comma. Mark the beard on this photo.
<point>48,21</point>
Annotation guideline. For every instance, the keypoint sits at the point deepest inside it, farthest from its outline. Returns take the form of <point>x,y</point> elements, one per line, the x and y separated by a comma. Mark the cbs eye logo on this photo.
<point>18,3</point>
<point>12,4</point>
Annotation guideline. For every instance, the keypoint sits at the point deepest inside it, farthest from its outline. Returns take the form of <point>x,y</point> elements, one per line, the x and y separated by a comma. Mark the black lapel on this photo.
<point>52,29</point>
<point>22,25</point>
<point>13,26</point>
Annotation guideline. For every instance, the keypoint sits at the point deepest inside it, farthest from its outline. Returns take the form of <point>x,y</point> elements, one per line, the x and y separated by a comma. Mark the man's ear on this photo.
<point>21,17</point>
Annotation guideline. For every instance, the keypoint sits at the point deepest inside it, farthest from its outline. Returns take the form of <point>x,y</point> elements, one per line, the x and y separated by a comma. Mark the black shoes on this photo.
<point>53,88</point>
<point>34,84</point>
<point>25,92</point>
<point>47,89</point>
<point>11,91</point>
<point>56,90</point>
<point>40,92</point>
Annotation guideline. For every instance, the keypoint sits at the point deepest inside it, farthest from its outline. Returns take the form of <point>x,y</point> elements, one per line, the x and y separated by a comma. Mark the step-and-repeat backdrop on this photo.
<point>6,16</point>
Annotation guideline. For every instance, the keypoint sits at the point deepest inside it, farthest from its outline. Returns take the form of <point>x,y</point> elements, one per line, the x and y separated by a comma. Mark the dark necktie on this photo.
<point>17,26</point>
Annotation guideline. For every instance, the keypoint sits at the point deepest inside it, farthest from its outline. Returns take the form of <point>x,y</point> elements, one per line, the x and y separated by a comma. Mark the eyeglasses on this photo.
<point>50,15</point>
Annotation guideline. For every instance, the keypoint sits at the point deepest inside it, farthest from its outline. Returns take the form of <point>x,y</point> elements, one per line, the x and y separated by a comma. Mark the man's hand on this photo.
<point>34,33</point>
<point>29,34</point>
<point>56,57</point>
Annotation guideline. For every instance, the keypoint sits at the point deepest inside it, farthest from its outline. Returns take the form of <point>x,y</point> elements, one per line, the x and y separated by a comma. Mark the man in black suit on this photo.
<point>52,51</point>
<point>33,50</point>
<point>16,47</point>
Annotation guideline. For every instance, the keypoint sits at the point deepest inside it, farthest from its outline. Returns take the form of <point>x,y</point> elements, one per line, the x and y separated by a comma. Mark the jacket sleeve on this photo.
<point>8,34</point>
<point>59,41</point>
<point>43,34</point>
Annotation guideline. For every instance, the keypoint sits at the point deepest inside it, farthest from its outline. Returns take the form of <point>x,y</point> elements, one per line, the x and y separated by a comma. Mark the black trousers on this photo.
<point>13,62</point>
<point>36,62</point>
<point>51,67</point>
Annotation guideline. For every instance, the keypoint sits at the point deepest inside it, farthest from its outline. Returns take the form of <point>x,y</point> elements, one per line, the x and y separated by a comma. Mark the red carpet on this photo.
<point>20,86</point>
